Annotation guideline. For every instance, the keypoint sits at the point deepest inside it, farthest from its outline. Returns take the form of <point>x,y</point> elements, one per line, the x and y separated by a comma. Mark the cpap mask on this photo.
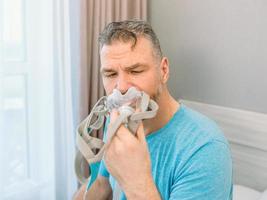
<point>126,105</point>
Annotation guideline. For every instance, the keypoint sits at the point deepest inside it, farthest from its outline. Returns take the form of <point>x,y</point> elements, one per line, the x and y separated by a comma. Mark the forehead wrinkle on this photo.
<point>127,68</point>
<point>134,66</point>
<point>103,70</point>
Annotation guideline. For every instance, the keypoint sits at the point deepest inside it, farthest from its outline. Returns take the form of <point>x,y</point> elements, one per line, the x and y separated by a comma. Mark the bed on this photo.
<point>247,134</point>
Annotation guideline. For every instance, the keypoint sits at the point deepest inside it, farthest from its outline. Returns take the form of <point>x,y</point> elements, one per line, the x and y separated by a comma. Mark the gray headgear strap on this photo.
<point>95,120</point>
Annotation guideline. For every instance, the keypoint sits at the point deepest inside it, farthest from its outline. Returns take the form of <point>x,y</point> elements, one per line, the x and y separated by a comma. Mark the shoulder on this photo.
<point>203,157</point>
<point>193,137</point>
<point>187,131</point>
<point>194,127</point>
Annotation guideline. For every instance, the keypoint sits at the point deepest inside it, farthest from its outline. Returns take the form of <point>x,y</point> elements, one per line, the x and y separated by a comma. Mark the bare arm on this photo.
<point>80,193</point>
<point>100,190</point>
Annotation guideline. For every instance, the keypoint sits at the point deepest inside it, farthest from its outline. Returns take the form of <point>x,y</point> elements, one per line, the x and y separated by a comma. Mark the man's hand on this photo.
<point>127,159</point>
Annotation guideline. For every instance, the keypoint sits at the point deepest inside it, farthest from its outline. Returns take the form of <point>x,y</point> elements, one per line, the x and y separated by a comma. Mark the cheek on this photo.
<point>150,84</point>
<point>108,86</point>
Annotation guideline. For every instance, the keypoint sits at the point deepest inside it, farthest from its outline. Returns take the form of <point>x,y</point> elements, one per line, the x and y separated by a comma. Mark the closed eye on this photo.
<point>110,74</point>
<point>136,71</point>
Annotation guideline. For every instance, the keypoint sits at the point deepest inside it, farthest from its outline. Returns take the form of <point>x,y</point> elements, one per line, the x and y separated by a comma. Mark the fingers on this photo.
<point>113,147</point>
<point>114,115</point>
<point>123,133</point>
<point>120,140</point>
<point>141,133</point>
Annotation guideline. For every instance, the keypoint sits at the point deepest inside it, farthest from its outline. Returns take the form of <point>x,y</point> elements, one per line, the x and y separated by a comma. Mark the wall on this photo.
<point>217,50</point>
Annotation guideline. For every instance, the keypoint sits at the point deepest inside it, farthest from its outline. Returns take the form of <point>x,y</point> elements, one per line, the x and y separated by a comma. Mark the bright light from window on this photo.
<point>12,22</point>
<point>13,30</point>
<point>26,101</point>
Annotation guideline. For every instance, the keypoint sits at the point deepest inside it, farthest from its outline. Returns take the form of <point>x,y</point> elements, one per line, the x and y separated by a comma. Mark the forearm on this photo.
<point>97,193</point>
<point>80,193</point>
<point>100,190</point>
<point>145,191</point>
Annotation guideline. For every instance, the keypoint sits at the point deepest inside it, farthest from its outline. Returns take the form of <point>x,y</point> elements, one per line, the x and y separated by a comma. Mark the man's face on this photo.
<point>123,67</point>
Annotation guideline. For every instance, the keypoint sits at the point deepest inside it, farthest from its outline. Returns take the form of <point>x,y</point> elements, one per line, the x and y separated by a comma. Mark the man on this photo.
<point>179,154</point>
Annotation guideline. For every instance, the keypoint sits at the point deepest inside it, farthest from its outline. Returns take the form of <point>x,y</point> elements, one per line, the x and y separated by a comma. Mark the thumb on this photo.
<point>114,115</point>
<point>140,133</point>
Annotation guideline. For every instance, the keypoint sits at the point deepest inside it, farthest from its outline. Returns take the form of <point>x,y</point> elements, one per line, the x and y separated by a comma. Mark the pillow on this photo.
<point>263,196</point>
<point>245,193</point>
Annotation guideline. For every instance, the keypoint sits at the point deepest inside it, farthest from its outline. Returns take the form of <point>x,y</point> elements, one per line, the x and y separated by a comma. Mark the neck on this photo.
<point>167,108</point>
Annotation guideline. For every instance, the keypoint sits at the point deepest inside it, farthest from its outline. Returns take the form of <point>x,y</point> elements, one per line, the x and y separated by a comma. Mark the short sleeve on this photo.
<point>207,175</point>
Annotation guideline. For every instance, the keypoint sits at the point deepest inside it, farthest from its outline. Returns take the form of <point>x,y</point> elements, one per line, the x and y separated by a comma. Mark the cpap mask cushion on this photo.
<point>116,99</point>
<point>126,104</point>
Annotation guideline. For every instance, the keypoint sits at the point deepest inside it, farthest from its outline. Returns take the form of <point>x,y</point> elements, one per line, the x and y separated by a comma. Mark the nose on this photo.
<point>123,83</point>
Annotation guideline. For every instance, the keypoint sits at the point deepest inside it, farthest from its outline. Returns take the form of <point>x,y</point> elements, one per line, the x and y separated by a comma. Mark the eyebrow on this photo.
<point>129,68</point>
<point>134,66</point>
<point>105,70</point>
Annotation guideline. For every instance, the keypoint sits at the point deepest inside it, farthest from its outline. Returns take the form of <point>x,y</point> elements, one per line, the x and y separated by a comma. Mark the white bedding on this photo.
<point>245,193</point>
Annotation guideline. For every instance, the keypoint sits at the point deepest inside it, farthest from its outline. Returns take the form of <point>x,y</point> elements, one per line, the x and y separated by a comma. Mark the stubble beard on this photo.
<point>157,94</point>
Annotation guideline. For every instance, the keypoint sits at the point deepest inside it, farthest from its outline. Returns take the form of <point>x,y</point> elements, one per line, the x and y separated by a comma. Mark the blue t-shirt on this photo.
<point>190,159</point>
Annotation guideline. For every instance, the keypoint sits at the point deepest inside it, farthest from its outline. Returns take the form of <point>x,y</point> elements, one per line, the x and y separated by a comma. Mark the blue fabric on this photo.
<point>190,159</point>
<point>93,168</point>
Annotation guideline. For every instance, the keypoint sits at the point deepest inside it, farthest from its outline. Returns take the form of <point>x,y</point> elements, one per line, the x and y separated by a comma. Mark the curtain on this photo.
<point>64,127</point>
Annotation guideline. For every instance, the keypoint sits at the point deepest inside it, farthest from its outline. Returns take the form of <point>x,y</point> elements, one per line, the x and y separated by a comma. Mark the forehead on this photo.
<point>119,51</point>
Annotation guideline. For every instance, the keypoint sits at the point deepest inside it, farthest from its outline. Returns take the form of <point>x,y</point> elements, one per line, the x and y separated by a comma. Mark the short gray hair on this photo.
<point>129,31</point>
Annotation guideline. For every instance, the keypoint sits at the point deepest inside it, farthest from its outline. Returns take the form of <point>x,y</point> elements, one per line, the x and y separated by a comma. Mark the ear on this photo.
<point>164,69</point>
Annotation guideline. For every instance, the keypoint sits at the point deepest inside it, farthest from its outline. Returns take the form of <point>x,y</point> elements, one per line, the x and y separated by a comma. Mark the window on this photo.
<point>26,100</point>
